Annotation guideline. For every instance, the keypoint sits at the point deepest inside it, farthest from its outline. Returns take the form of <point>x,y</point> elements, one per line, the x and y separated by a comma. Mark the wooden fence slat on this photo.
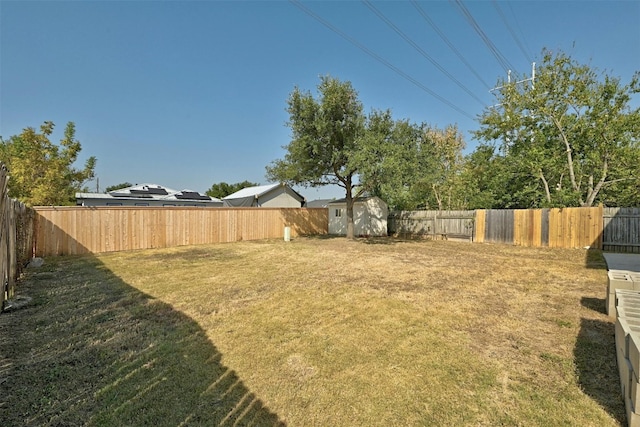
<point>480,225</point>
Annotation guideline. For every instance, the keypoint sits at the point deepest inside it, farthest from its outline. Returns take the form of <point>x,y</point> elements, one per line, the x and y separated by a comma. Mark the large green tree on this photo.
<point>223,189</point>
<point>334,142</point>
<point>571,132</point>
<point>42,173</point>
<point>423,166</point>
<point>440,160</point>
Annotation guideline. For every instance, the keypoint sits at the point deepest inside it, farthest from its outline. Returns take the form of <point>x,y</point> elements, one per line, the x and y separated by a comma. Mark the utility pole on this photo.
<point>531,79</point>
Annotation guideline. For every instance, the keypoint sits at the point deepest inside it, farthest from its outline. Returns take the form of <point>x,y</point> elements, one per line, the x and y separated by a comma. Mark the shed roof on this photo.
<point>356,200</point>
<point>319,203</point>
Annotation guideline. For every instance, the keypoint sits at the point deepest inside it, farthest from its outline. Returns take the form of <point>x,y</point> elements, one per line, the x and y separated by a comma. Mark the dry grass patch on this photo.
<point>335,332</point>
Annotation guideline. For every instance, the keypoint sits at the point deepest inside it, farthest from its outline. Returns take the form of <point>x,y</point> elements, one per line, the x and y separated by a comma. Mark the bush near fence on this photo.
<point>16,238</point>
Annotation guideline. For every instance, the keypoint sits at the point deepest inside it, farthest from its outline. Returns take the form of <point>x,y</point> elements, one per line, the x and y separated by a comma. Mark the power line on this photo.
<point>378,58</point>
<point>446,40</point>
<point>513,34</point>
<point>421,51</point>
<point>520,29</point>
<point>502,60</point>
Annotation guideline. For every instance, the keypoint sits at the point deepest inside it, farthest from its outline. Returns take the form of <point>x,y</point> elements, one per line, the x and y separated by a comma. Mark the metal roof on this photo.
<point>260,190</point>
<point>256,191</point>
<point>149,192</point>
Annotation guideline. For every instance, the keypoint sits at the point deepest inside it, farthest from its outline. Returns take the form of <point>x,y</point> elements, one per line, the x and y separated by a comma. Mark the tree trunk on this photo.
<point>437,195</point>
<point>593,192</point>
<point>349,199</point>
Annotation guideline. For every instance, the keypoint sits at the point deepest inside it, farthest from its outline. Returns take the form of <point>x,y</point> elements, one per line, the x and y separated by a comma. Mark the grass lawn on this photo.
<point>314,332</point>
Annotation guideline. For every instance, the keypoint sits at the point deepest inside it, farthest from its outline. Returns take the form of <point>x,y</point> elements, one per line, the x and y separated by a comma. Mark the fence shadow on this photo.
<point>307,222</point>
<point>594,259</point>
<point>91,349</point>
<point>595,361</point>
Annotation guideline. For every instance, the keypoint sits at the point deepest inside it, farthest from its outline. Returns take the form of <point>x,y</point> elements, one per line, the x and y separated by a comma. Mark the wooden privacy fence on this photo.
<point>78,230</point>
<point>432,223</point>
<point>621,230</point>
<point>555,228</point>
<point>16,232</point>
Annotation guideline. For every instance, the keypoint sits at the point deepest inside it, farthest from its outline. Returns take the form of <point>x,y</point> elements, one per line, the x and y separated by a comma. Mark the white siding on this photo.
<point>369,217</point>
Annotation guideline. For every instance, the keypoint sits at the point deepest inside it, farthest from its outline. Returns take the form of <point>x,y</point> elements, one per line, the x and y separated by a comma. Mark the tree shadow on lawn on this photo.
<point>92,350</point>
<point>596,366</point>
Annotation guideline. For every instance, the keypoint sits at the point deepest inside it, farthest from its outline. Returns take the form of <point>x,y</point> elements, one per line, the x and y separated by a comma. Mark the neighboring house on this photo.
<point>268,196</point>
<point>319,203</point>
<point>369,217</point>
<point>148,195</point>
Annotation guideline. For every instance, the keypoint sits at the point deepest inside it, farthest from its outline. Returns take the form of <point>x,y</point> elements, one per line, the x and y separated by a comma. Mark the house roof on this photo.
<point>258,191</point>
<point>150,192</point>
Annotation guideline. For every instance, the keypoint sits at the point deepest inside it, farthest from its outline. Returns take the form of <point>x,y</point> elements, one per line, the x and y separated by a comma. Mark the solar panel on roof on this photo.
<point>192,195</point>
<point>150,190</point>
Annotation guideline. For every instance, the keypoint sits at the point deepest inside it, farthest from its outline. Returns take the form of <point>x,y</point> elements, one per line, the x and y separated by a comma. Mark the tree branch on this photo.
<point>546,186</point>
<point>572,175</point>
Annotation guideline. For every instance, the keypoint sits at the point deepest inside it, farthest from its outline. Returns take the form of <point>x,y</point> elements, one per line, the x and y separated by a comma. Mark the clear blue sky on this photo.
<point>187,94</point>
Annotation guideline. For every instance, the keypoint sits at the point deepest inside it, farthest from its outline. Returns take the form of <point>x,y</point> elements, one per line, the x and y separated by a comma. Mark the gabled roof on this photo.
<point>258,191</point>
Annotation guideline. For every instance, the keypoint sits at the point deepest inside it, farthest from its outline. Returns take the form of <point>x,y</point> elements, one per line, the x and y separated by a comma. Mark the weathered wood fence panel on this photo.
<point>457,224</point>
<point>16,232</point>
<point>499,226</point>
<point>558,228</point>
<point>77,230</point>
<point>621,230</point>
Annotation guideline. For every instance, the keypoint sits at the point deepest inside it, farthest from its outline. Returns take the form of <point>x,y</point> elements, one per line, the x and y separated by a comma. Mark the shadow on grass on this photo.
<point>92,350</point>
<point>595,361</point>
<point>595,260</point>
<point>595,304</point>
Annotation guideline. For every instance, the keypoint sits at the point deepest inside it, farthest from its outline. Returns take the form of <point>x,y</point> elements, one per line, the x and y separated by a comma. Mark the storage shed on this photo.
<point>369,216</point>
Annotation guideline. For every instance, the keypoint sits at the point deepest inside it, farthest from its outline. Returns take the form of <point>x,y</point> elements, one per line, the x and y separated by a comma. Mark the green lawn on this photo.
<point>313,332</point>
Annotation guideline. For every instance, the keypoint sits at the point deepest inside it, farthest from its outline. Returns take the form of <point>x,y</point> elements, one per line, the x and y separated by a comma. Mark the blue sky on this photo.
<point>187,94</point>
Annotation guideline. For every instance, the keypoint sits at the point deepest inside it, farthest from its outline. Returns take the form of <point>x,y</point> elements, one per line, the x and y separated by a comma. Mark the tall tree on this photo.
<point>222,189</point>
<point>572,131</point>
<point>333,142</point>
<point>119,186</point>
<point>423,165</point>
<point>439,165</point>
<point>42,173</point>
